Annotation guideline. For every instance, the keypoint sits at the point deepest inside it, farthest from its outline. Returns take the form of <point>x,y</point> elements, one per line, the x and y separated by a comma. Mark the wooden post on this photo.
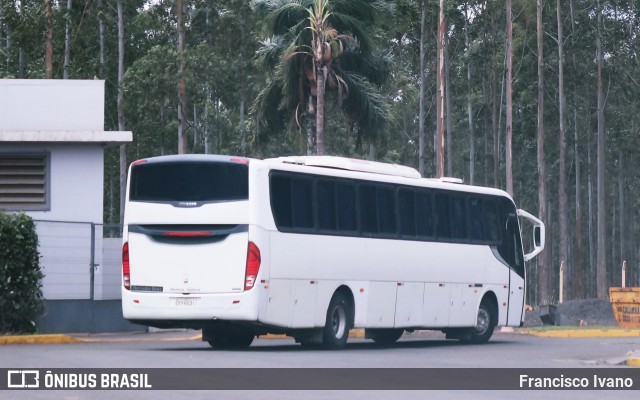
<point>561,299</point>
<point>624,273</point>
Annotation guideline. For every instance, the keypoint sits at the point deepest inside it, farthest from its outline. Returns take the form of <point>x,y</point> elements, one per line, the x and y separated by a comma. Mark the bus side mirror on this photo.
<point>538,234</point>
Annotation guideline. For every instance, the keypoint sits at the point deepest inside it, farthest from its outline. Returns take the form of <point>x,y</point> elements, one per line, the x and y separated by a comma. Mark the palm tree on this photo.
<point>316,45</point>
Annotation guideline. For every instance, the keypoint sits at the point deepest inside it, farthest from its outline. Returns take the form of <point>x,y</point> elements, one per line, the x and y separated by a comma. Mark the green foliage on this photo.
<point>20,275</point>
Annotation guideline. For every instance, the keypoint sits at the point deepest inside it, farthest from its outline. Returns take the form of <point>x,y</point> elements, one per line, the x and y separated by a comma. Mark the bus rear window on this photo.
<point>189,181</point>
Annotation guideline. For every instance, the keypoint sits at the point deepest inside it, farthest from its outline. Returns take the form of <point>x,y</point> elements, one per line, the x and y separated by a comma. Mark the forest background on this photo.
<point>554,83</point>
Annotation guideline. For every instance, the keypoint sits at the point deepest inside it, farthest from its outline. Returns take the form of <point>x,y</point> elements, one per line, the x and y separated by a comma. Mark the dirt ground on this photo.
<point>592,312</point>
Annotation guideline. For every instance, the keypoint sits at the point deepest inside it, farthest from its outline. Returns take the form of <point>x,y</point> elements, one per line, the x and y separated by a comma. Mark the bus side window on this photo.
<point>368,214</point>
<point>346,205</point>
<point>443,227</point>
<point>476,219</point>
<point>492,227</point>
<point>424,213</point>
<point>281,200</point>
<point>406,212</point>
<point>386,210</point>
<point>458,217</point>
<point>327,205</point>
<point>301,201</point>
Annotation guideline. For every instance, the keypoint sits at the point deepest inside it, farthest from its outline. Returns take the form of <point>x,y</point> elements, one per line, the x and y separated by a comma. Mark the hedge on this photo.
<point>20,275</point>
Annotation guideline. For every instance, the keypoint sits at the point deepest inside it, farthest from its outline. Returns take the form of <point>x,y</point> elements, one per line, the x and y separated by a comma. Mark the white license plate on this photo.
<point>185,301</point>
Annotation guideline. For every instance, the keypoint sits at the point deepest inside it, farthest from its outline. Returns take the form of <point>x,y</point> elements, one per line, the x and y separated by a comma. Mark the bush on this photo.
<point>20,275</point>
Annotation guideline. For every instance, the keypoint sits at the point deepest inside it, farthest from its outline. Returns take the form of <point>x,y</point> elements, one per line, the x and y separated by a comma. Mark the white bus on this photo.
<point>312,247</point>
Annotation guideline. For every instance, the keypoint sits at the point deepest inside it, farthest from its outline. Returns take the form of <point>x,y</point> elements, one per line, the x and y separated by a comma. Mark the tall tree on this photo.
<point>543,268</point>
<point>422,105</point>
<point>67,41</point>
<point>318,45</point>
<point>440,108</point>
<point>509,99</point>
<point>601,266</point>
<point>472,148</point>
<point>120,106</point>
<point>48,53</point>
<point>562,184</point>
<point>182,103</point>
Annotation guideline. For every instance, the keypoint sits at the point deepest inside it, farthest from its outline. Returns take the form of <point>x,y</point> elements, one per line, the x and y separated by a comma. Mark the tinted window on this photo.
<point>458,217</point>
<point>189,181</point>
<point>406,212</point>
<point>424,213</point>
<point>491,221</point>
<point>281,200</point>
<point>301,200</point>
<point>476,219</point>
<point>346,204</point>
<point>327,205</point>
<point>443,227</point>
<point>386,210</point>
<point>368,215</point>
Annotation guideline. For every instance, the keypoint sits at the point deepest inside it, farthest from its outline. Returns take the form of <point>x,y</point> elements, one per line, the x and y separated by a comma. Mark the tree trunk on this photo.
<point>562,184</point>
<point>509,123</point>
<point>120,105</point>
<point>421,116</point>
<point>67,42</point>
<point>579,269</point>
<point>20,49</point>
<point>448,108</point>
<point>543,268</point>
<point>494,112</point>
<point>48,53</point>
<point>440,95</point>
<point>472,147</point>
<point>182,140</point>
<point>101,33</point>
<point>320,110</point>
<point>601,272</point>
<point>621,186</point>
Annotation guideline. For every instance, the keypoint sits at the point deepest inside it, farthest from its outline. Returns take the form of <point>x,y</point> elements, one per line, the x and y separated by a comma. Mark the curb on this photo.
<point>586,333</point>
<point>633,362</point>
<point>38,339</point>
<point>66,339</point>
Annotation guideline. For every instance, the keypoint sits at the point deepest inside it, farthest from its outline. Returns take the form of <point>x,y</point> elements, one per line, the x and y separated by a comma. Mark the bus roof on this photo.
<point>351,164</point>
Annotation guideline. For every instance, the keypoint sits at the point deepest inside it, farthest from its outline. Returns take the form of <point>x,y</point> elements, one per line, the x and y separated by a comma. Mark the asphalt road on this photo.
<point>424,350</point>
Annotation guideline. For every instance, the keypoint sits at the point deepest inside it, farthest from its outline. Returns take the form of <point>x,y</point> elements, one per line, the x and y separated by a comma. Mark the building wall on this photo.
<point>51,105</point>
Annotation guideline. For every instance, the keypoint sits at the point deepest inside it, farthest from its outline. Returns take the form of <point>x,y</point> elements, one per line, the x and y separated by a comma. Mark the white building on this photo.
<point>52,143</point>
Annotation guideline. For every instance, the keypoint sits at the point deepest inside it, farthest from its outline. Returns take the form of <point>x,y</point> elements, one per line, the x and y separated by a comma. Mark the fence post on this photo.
<point>92,264</point>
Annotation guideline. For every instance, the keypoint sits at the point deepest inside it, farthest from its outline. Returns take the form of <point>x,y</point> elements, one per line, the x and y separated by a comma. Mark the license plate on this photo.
<point>186,301</point>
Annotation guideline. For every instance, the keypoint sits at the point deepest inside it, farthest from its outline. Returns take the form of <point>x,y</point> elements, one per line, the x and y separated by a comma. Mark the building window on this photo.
<point>24,182</point>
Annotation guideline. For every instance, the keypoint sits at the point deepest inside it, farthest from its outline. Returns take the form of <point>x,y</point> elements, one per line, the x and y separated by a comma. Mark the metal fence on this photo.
<point>80,260</point>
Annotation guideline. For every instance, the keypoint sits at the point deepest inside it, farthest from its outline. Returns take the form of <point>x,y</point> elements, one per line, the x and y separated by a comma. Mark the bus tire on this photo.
<point>485,324</point>
<point>384,336</point>
<point>338,322</point>
<point>230,339</point>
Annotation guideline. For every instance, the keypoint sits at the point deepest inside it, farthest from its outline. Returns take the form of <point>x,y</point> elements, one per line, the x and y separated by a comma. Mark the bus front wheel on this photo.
<point>485,324</point>
<point>338,322</point>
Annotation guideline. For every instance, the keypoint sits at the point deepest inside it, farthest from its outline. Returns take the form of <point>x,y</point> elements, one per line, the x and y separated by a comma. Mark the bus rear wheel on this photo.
<point>336,328</point>
<point>228,339</point>
<point>384,336</point>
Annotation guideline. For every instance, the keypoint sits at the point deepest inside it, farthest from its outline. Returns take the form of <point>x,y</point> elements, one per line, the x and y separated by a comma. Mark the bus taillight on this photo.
<point>126,271</point>
<point>253,266</point>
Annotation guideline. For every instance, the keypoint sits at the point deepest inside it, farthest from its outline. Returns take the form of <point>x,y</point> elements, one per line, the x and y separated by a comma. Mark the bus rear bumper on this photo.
<point>176,306</point>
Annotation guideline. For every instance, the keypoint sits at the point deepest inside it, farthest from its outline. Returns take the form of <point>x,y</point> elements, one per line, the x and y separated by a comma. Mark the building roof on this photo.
<point>80,136</point>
